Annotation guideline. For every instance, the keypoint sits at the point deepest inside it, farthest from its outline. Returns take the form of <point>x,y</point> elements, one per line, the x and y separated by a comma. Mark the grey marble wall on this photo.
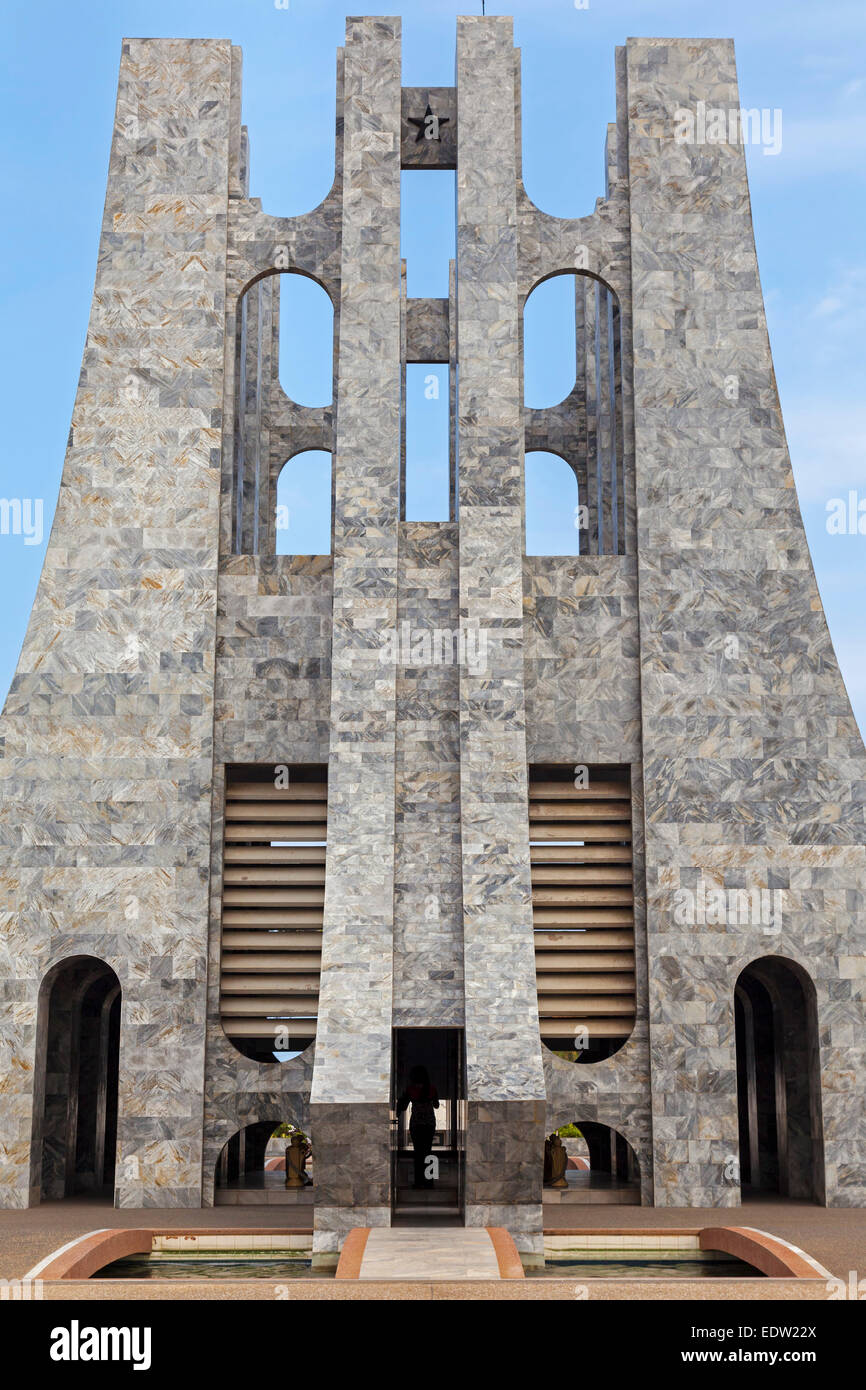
<point>108,729</point>
<point>428,917</point>
<point>273,659</point>
<point>582,670</point>
<point>754,767</point>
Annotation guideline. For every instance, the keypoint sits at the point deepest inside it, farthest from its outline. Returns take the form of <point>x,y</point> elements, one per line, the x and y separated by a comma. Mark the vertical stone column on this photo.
<point>505,1085</point>
<point>753,761</point>
<point>604,433</point>
<point>106,799</point>
<point>351,1076</point>
<point>588,365</point>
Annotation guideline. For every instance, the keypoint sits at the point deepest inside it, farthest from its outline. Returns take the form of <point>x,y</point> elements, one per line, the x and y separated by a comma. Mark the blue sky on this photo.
<point>59,69</point>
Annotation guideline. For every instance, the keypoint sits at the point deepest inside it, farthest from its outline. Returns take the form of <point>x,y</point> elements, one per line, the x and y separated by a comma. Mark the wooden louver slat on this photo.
<point>582,897</point>
<point>272,904</point>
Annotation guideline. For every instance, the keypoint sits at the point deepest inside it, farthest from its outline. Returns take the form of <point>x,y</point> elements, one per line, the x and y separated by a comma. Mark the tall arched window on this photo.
<point>572,361</point>
<point>306,340</point>
<point>284,350</point>
<point>549,343</point>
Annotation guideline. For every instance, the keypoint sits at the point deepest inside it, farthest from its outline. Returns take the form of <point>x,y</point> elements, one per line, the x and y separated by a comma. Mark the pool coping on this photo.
<point>352,1253</point>
<point>774,1257</point>
<point>86,1254</point>
<point>771,1255</point>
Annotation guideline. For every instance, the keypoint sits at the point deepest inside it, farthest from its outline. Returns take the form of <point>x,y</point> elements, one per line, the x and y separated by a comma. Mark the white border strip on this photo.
<point>820,1271</point>
<point>35,1272</point>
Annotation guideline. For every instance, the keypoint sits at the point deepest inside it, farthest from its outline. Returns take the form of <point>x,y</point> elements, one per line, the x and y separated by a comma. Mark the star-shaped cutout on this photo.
<point>428,125</point>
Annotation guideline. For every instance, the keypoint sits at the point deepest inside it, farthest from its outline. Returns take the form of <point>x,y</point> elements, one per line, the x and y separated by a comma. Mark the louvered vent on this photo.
<point>273,904</point>
<point>582,908</point>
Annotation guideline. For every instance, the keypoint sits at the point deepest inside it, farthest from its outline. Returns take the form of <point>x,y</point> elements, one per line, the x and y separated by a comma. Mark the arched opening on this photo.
<point>554,515</point>
<point>270,365</point>
<point>75,1104</point>
<point>305,329</point>
<point>302,522</point>
<point>586,1163</point>
<point>549,343</point>
<point>254,1166</point>
<point>572,383</point>
<point>778,1081</point>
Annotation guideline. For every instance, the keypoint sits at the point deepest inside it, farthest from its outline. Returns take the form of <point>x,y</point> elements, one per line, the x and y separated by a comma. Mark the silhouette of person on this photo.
<point>422,1096</point>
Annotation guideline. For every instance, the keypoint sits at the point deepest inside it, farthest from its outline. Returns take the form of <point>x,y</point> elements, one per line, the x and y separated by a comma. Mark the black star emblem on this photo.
<point>427,123</point>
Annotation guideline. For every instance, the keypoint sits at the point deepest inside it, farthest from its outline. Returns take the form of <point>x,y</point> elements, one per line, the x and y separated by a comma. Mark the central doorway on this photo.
<point>440,1199</point>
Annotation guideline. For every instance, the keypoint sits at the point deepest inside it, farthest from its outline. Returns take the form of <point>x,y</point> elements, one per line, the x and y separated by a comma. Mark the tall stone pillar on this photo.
<point>352,1072</point>
<point>505,1082</point>
<point>105,806</point>
<point>752,757</point>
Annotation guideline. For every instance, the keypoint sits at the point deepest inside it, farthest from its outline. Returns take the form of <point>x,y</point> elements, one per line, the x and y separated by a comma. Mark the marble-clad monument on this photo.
<point>257,860</point>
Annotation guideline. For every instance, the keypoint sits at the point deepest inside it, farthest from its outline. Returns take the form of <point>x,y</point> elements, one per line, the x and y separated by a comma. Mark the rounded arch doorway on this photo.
<point>77,1066</point>
<point>778,1081</point>
<point>251,1169</point>
<point>590,1164</point>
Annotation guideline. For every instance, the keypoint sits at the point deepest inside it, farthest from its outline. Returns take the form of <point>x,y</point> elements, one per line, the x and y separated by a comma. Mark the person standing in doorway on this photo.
<point>422,1096</point>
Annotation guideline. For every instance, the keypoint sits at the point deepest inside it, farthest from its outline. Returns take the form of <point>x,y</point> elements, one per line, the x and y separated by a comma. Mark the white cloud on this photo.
<point>820,145</point>
<point>827,440</point>
<point>827,306</point>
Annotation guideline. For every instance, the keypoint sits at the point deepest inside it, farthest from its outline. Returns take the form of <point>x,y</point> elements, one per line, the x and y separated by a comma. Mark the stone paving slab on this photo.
<point>446,1252</point>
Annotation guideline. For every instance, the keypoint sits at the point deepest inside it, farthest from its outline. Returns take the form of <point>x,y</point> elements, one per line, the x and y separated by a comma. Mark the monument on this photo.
<point>257,863</point>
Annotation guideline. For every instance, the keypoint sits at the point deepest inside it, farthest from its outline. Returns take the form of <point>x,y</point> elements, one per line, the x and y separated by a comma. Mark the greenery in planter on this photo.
<point>285,1131</point>
<point>569,1132</point>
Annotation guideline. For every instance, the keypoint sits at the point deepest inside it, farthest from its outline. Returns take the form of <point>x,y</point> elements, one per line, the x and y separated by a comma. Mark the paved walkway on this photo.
<point>835,1236</point>
<point>443,1252</point>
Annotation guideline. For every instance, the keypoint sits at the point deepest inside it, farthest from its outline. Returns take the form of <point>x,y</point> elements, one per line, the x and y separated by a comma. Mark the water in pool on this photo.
<point>217,1264</point>
<point>282,1265</point>
<point>642,1264</point>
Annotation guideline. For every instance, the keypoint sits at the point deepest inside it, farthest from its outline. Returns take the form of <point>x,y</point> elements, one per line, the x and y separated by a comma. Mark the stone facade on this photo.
<point>168,642</point>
